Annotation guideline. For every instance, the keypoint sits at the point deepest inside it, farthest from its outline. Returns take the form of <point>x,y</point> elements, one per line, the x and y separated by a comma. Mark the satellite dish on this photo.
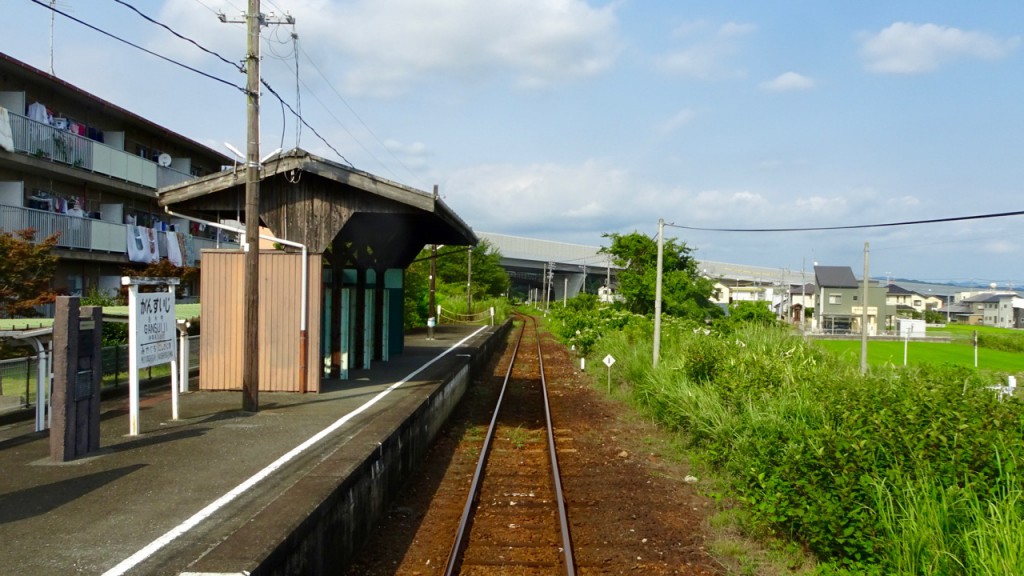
<point>164,159</point>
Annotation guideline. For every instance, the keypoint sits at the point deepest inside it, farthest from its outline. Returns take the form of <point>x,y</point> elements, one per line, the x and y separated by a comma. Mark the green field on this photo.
<point>958,353</point>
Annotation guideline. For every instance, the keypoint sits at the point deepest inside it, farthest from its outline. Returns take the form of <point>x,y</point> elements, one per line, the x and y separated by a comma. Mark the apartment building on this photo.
<point>75,164</point>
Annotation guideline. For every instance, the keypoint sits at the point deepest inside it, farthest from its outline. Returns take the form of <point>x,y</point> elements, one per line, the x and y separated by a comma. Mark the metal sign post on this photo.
<point>608,361</point>
<point>152,341</point>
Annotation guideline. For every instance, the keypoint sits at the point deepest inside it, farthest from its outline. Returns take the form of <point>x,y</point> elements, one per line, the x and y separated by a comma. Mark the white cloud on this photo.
<point>907,48</point>
<point>677,121</point>
<point>787,82</point>
<point>902,202</point>
<point>822,206</point>
<point>414,156</point>
<point>708,56</point>
<point>387,47</point>
<point>1000,247</point>
<point>399,43</point>
<point>505,198</point>
<point>736,29</point>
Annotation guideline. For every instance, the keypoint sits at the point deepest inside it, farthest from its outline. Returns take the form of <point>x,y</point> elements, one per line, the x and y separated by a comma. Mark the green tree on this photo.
<point>488,279</point>
<point>416,284</point>
<point>749,312</point>
<point>163,269</point>
<point>26,272</point>
<point>685,293</point>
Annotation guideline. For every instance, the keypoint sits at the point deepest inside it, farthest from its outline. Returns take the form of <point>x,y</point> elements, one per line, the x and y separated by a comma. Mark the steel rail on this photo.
<point>465,523</point>
<point>462,535</point>
<point>563,516</point>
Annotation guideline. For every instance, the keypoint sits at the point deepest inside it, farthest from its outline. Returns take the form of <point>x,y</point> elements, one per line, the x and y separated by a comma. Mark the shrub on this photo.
<point>807,440</point>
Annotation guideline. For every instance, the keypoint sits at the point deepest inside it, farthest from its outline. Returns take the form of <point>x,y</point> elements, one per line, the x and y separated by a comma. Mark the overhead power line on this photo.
<point>304,123</point>
<point>236,65</point>
<point>855,226</point>
<point>330,85</point>
<point>137,47</point>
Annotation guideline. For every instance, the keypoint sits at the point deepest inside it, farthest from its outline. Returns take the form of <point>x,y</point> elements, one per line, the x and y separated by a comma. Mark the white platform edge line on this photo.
<point>135,559</point>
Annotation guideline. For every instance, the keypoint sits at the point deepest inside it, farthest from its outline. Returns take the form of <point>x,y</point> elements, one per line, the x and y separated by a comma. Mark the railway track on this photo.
<point>515,520</point>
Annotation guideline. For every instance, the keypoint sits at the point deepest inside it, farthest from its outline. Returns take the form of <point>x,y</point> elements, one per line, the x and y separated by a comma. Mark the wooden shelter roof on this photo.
<point>369,221</point>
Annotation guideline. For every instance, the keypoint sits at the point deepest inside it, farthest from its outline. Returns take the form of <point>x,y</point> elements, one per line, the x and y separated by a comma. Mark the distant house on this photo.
<point>903,300</point>
<point>999,309</point>
<point>933,302</point>
<point>839,302</point>
<point>799,299</point>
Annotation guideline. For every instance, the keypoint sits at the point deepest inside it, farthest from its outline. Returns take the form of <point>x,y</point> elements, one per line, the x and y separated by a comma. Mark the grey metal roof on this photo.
<point>989,297</point>
<point>519,248</point>
<point>897,289</point>
<point>835,276</point>
<point>807,289</point>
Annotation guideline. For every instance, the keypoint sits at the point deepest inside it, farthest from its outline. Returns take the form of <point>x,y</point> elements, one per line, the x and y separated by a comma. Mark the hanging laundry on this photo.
<point>6,132</point>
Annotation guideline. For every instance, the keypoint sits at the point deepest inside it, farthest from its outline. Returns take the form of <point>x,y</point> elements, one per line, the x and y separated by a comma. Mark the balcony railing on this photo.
<point>38,139</point>
<point>85,233</point>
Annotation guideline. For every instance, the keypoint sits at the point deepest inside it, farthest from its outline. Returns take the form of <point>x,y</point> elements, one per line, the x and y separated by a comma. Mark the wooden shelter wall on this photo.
<point>310,212</point>
<point>221,347</point>
<point>221,351</point>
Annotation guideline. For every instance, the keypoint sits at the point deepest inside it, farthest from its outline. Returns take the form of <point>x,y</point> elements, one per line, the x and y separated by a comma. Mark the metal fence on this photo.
<point>18,375</point>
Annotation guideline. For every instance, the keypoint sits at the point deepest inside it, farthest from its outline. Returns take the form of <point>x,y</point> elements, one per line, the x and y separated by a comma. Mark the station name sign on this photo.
<point>155,328</point>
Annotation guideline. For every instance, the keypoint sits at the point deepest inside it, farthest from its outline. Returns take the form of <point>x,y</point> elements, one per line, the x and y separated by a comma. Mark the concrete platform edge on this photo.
<point>327,539</point>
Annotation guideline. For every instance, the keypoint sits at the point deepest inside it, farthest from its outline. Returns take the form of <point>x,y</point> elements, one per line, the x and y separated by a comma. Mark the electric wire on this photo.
<point>266,85</point>
<point>301,120</point>
<point>298,92</point>
<point>345,128</point>
<point>236,65</point>
<point>204,5</point>
<point>136,46</point>
<point>304,123</point>
<point>372,133</point>
<point>854,226</point>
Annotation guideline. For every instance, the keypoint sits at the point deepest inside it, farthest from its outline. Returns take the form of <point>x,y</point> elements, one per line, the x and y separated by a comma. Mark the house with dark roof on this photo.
<point>903,300</point>
<point>999,309</point>
<point>839,302</point>
<point>798,299</point>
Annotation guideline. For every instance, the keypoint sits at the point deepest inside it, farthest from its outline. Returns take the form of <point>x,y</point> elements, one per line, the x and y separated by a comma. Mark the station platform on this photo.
<point>226,491</point>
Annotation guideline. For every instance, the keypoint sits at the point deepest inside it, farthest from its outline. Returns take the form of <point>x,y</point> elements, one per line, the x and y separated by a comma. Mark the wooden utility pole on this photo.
<point>251,337</point>
<point>254,20</point>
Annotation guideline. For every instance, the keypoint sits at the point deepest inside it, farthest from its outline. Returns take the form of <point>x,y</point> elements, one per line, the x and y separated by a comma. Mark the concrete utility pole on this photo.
<point>803,294</point>
<point>254,19</point>
<point>657,291</point>
<point>864,317</point>
<point>432,304</point>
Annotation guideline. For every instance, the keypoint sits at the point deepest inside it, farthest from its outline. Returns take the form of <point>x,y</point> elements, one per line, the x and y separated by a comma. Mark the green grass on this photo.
<point>862,471</point>
<point>921,353</point>
<point>965,331</point>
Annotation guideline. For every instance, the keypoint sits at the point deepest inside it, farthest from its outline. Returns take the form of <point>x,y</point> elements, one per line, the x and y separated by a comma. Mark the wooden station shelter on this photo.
<point>359,231</point>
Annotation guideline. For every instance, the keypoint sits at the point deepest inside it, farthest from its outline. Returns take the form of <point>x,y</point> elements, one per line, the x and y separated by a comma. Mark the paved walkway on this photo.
<point>160,502</point>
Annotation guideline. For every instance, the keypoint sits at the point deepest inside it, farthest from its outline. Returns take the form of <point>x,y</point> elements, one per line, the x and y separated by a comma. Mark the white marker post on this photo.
<point>608,361</point>
<point>152,339</point>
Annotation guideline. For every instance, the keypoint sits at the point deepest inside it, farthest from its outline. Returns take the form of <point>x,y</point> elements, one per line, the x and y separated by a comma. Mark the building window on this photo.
<point>835,298</point>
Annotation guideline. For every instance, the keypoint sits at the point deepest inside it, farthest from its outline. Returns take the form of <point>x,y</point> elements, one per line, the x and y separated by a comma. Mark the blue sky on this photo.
<point>565,119</point>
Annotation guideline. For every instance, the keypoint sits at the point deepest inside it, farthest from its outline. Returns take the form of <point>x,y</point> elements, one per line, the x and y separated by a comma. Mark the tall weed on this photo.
<point>807,440</point>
